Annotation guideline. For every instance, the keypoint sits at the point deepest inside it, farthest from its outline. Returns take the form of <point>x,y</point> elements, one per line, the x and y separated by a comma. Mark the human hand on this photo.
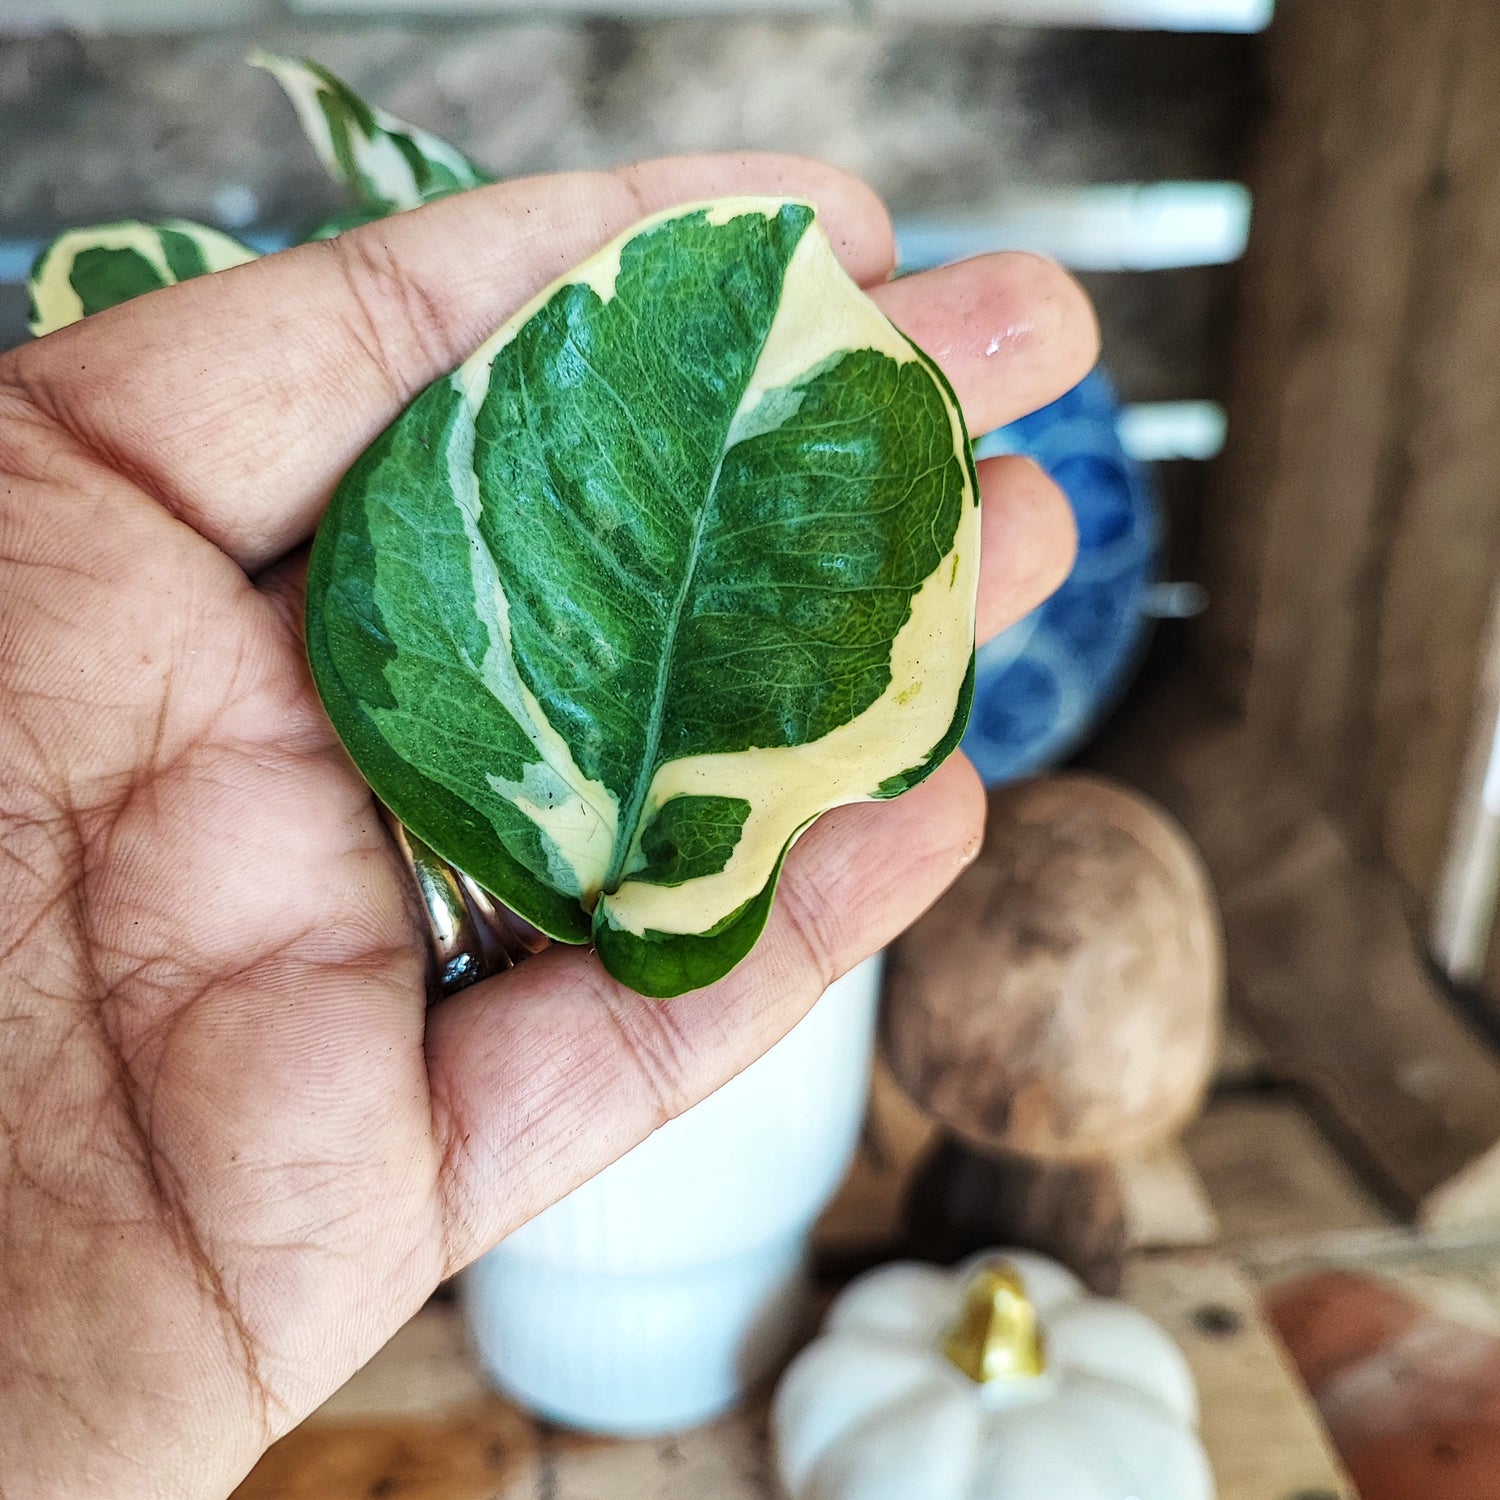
<point>239,1150</point>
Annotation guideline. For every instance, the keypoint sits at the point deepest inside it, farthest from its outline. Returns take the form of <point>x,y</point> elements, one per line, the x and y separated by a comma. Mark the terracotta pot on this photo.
<point>1410,1391</point>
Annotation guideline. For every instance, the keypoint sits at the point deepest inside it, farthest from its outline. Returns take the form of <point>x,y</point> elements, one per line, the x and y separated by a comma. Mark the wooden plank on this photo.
<point>584,10</point>
<point>1108,228</point>
<point>730,1459</point>
<point>942,118</point>
<point>1260,1429</point>
<point>1243,1061</point>
<point>1463,929</point>
<point>1444,549</point>
<point>1465,1254</point>
<point>1150,15</point>
<point>1270,1173</point>
<point>181,15</point>
<point>1323,965</point>
<point>1167,1204</point>
<point>1342,180</point>
<point>134,15</point>
<point>1470,1196</point>
<point>416,1422</point>
<point>1357,536</point>
<point>1344,1000</point>
<point>1163,330</point>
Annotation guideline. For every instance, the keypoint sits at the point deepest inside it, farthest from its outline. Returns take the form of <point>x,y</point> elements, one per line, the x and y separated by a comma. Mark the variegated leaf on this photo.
<point>350,218</point>
<point>86,270</point>
<point>388,164</point>
<point>683,556</point>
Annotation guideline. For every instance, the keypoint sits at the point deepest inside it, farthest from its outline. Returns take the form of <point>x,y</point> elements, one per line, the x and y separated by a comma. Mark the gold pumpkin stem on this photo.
<point>996,1336</point>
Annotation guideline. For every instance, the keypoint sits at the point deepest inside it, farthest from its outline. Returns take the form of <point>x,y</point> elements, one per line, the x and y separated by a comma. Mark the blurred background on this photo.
<point>1281,642</point>
<point>1120,152</point>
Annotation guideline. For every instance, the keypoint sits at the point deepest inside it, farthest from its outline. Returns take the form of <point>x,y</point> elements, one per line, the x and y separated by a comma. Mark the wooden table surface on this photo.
<point>418,1423</point>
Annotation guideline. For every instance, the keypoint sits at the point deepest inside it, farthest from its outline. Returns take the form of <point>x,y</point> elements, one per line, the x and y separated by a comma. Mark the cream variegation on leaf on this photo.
<point>386,163</point>
<point>84,271</point>
<point>682,557</point>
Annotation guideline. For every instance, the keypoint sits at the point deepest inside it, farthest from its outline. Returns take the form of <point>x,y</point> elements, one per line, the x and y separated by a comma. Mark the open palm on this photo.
<point>238,1149</point>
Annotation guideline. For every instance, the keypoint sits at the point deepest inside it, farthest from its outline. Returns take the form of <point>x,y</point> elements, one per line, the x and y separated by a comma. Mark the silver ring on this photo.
<point>469,934</point>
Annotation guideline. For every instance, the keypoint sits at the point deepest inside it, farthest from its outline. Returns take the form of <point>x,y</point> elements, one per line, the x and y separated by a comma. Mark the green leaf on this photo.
<point>682,557</point>
<point>87,270</point>
<point>389,165</point>
<point>351,218</point>
<point>690,837</point>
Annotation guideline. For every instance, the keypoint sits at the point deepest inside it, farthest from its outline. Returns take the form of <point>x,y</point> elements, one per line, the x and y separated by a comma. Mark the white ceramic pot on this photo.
<point>653,1296</point>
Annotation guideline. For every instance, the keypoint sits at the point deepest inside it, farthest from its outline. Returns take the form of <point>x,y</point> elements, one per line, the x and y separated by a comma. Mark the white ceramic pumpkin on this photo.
<point>1001,1380</point>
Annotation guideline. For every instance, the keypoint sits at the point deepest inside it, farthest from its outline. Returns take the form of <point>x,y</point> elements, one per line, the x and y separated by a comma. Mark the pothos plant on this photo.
<point>682,557</point>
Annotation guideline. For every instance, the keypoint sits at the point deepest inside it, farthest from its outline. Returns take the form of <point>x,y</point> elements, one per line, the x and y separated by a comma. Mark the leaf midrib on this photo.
<point>630,811</point>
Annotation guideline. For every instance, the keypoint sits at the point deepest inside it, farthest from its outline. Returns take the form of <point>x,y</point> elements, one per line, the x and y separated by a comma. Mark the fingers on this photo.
<point>1011,332</point>
<point>1027,538</point>
<point>239,400</point>
<point>1027,541</point>
<point>284,587</point>
<point>545,1075</point>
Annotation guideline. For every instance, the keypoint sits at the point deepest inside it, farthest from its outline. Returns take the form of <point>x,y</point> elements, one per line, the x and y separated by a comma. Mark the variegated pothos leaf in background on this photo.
<point>84,271</point>
<point>387,164</point>
<point>683,556</point>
